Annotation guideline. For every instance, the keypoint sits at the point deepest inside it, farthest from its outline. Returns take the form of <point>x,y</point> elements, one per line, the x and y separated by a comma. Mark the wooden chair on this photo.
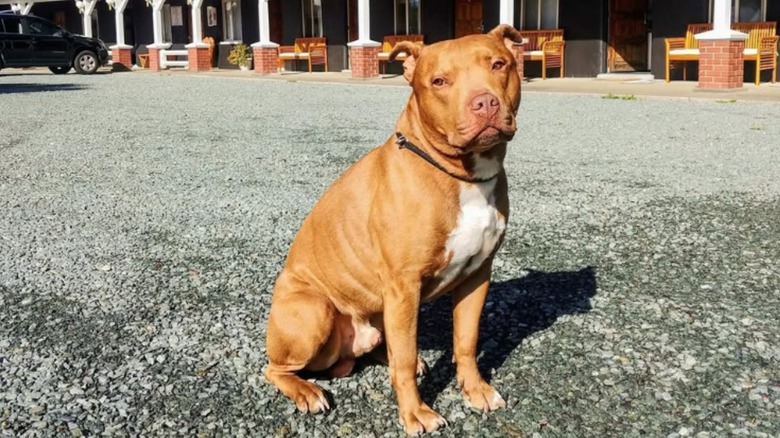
<point>389,42</point>
<point>314,50</point>
<point>211,43</point>
<point>545,45</point>
<point>684,49</point>
<point>760,47</point>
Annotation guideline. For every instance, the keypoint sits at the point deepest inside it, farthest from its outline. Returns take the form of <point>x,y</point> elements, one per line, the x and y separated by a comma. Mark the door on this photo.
<point>627,35</point>
<point>15,45</point>
<point>468,17</point>
<point>50,46</point>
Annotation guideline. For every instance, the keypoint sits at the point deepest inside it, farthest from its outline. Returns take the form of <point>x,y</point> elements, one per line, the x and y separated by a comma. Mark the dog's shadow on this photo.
<point>514,310</point>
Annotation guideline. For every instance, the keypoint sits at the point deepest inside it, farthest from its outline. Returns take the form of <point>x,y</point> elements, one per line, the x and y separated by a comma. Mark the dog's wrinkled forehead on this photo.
<point>453,55</point>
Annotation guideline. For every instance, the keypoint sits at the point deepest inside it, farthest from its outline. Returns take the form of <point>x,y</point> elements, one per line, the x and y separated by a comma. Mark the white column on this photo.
<point>197,26</point>
<point>86,16</point>
<point>721,20</point>
<point>119,16</point>
<point>721,23</point>
<point>364,27</point>
<point>157,24</point>
<point>265,26</point>
<point>506,12</point>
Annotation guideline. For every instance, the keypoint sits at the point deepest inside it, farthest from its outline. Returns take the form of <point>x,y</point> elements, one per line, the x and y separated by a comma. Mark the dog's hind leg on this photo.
<point>301,336</point>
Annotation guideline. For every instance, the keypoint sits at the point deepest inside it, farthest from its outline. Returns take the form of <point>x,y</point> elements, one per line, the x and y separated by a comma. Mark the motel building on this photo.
<point>599,36</point>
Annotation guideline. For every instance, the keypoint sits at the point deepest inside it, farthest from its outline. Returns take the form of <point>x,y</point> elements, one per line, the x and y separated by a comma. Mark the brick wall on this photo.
<point>198,59</point>
<point>122,59</point>
<point>266,60</point>
<point>519,51</point>
<point>154,59</point>
<point>721,64</point>
<point>364,63</point>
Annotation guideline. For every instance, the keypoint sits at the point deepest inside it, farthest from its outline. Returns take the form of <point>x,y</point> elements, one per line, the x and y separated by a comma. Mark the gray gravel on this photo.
<point>143,219</point>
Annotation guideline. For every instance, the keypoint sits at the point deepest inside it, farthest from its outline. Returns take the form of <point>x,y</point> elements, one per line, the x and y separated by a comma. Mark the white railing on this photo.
<point>165,62</point>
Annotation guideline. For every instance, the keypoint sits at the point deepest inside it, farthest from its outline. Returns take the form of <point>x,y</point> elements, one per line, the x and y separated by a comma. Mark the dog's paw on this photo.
<point>483,397</point>
<point>421,419</point>
<point>309,398</point>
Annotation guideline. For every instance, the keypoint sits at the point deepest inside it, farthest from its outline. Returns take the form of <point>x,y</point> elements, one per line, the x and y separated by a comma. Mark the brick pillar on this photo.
<point>121,58</point>
<point>198,59</point>
<point>364,62</point>
<point>721,63</point>
<point>519,50</point>
<point>266,59</point>
<point>154,59</point>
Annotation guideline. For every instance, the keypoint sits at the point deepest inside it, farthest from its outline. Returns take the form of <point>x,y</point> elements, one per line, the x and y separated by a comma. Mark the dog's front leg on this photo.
<point>401,309</point>
<point>468,300</point>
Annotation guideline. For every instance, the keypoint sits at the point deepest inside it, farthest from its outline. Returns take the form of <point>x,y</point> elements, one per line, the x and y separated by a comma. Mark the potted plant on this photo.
<point>239,55</point>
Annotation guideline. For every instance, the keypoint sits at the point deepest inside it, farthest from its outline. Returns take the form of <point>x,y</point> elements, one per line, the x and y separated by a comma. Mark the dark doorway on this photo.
<point>628,30</point>
<point>352,21</point>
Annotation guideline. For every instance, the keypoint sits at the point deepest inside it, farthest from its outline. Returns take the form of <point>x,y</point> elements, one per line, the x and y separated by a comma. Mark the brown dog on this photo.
<point>417,217</point>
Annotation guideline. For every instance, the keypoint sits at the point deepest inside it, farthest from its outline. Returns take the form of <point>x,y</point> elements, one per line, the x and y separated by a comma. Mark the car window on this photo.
<point>10,25</point>
<point>35,27</point>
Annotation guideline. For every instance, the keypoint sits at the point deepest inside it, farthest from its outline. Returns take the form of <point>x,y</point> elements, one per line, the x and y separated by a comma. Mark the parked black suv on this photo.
<point>28,41</point>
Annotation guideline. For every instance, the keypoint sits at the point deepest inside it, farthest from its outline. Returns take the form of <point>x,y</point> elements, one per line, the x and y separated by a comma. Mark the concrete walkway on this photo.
<point>766,92</point>
<point>619,88</point>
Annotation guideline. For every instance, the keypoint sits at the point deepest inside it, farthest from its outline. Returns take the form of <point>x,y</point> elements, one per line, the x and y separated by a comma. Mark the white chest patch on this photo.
<point>476,233</point>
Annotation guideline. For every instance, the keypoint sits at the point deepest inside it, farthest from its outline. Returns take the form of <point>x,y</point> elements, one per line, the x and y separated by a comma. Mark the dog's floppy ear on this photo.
<point>412,51</point>
<point>507,35</point>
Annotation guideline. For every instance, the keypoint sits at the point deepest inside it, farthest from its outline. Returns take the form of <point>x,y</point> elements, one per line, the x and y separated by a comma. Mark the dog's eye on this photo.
<point>438,82</point>
<point>498,65</point>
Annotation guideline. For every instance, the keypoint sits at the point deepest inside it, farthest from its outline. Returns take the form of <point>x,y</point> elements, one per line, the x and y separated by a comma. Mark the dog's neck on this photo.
<point>470,165</point>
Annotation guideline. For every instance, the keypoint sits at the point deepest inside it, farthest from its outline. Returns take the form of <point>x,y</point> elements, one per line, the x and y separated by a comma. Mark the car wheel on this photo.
<point>86,62</point>
<point>59,70</point>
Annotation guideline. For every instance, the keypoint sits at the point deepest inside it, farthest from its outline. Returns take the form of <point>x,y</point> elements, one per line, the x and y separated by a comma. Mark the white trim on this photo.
<point>735,11</point>
<point>364,27</point>
<point>523,5</point>
<point>407,7</point>
<point>264,26</point>
<point>231,21</point>
<point>506,12</point>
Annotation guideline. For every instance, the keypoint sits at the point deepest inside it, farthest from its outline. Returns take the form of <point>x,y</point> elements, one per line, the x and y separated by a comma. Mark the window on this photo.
<point>744,10</point>
<point>407,17</point>
<point>231,20</point>
<point>10,25</point>
<point>166,24</point>
<point>312,18</point>
<point>35,27</point>
<point>537,14</point>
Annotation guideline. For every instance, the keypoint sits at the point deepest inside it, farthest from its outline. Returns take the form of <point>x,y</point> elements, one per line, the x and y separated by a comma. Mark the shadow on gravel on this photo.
<point>515,309</point>
<point>37,88</point>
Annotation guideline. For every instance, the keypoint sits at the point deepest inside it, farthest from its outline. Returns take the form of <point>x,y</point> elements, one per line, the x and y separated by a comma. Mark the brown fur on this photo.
<point>371,248</point>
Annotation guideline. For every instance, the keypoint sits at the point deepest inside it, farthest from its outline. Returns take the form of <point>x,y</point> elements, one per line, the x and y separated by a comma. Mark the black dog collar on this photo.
<point>404,143</point>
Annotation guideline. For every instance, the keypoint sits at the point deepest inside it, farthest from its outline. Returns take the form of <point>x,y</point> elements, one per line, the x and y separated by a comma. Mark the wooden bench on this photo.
<point>389,42</point>
<point>544,45</point>
<point>314,50</point>
<point>760,47</point>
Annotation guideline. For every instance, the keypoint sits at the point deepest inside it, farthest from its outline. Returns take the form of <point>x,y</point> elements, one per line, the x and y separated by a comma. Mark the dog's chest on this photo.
<point>477,232</point>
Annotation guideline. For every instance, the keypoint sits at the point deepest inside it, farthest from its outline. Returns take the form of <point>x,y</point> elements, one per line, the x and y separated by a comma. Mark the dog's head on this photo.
<point>467,90</point>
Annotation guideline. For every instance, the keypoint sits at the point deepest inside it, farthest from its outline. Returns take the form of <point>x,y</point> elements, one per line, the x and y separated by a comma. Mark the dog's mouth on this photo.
<point>483,138</point>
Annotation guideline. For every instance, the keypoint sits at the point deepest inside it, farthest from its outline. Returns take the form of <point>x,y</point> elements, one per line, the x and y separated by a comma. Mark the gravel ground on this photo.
<point>144,218</point>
